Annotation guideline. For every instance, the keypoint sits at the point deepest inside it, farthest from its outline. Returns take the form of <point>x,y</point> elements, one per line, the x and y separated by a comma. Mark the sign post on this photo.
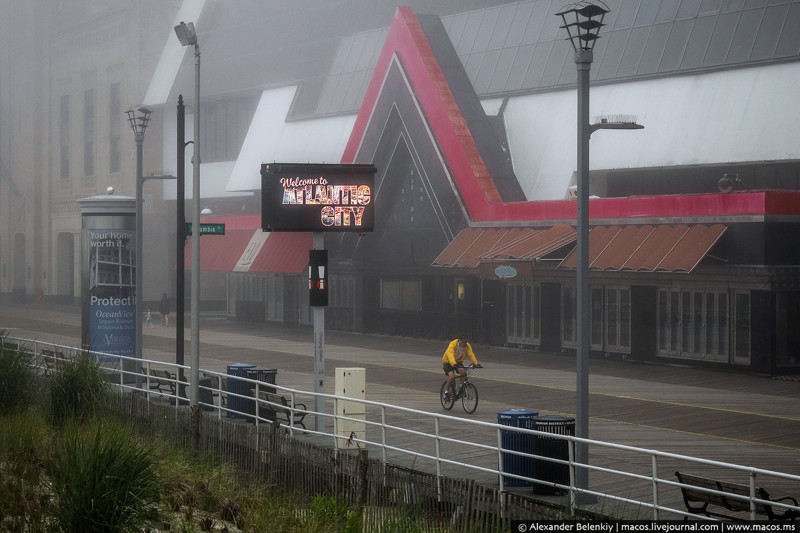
<point>317,198</point>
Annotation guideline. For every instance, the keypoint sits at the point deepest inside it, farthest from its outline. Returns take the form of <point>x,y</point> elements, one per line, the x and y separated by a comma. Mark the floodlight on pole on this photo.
<point>188,37</point>
<point>139,118</point>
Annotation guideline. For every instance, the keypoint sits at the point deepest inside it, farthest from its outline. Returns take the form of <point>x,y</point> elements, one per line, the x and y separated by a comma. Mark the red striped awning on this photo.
<point>475,245</point>
<point>662,248</point>
<point>646,248</point>
<point>285,252</point>
<point>219,252</point>
<point>243,248</point>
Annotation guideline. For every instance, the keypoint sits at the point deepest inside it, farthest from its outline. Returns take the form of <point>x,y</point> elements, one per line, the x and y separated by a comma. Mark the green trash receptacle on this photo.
<point>554,448</point>
<point>267,377</point>
<point>518,442</point>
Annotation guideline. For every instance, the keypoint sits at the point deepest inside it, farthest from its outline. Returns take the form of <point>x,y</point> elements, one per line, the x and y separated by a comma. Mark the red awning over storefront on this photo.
<point>647,248</point>
<point>285,252</point>
<point>245,248</point>
<point>219,252</point>
<point>474,245</point>
<point>661,248</point>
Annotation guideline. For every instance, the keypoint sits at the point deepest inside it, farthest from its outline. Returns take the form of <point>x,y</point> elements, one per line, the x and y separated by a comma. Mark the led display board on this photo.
<point>317,197</point>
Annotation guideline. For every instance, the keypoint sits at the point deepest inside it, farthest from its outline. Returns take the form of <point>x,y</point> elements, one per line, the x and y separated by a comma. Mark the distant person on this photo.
<point>163,308</point>
<point>148,319</point>
<point>452,359</point>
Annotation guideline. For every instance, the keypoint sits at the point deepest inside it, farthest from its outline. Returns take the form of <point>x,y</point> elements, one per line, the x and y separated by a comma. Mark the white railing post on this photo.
<point>257,404</point>
<point>335,422</point>
<point>383,435</point>
<point>438,460</point>
<point>573,490</point>
<point>752,495</point>
<point>500,458</point>
<point>655,486</point>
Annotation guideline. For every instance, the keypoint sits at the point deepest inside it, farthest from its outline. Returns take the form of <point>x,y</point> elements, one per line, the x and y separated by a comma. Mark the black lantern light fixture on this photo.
<point>139,118</point>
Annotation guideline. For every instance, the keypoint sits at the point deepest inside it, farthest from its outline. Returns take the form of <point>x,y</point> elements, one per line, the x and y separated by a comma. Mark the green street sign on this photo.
<point>207,229</point>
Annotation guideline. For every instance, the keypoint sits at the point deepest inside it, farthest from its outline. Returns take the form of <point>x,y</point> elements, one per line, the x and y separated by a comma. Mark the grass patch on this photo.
<point>79,390</point>
<point>16,375</point>
<point>103,479</point>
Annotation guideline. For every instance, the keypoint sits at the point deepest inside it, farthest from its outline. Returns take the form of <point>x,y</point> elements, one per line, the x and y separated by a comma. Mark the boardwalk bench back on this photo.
<point>51,359</point>
<point>281,407</point>
<point>702,495</point>
<point>214,384</point>
<point>162,381</point>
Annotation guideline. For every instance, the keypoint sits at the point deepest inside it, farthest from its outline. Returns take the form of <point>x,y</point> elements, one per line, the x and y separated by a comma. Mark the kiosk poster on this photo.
<point>317,197</point>
<point>112,291</point>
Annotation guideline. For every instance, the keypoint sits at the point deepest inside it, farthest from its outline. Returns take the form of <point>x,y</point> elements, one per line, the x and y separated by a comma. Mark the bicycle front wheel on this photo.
<point>469,397</point>
<point>450,401</point>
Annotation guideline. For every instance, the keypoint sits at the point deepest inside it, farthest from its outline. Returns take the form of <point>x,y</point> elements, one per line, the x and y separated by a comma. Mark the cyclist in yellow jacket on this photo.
<point>453,357</point>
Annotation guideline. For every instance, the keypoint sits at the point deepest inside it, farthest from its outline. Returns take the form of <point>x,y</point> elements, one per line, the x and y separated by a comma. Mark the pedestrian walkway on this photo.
<point>714,414</point>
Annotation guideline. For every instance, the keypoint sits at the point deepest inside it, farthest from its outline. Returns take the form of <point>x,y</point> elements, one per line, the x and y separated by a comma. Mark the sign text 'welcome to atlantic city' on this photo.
<point>342,205</point>
<point>318,197</point>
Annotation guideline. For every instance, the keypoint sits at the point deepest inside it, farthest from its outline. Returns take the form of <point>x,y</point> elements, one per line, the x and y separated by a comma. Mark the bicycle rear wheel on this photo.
<point>451,399</point>
<point>469,397</point>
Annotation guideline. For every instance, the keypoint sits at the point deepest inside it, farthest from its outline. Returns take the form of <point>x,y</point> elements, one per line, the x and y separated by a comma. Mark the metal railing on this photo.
<point>628,481</point>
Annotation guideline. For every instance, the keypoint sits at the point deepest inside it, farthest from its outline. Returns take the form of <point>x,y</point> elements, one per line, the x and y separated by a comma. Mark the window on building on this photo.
<point>63,136</point>
<point>695,324</point>
<point>460,293</point>
<point>523,313</point>
<point>617,319</point>
<point>224,126</point>
<point>88,132</point>
<point>342,292</point>
<point>568,316</point>
<point>402,295</point>
<point>114,128</point>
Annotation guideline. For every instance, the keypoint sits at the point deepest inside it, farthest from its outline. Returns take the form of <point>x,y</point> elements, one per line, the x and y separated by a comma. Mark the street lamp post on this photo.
<point>187,36</point>
<point>583,21</point>
<point>139,117</point>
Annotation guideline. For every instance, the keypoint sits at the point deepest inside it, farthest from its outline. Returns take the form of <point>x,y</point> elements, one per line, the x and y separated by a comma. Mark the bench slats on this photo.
<point>719,497</point>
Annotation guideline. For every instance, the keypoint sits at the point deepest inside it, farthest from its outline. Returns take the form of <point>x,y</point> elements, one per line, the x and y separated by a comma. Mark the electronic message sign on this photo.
<point>317,197</point>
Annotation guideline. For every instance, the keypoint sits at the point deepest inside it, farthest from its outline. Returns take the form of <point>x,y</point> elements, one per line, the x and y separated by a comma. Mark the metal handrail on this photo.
<point>437,437</point>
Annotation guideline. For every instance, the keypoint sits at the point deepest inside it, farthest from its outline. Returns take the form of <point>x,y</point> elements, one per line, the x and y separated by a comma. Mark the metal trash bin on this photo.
<point>518,442</point>
<point>554,448</point>
<point>265,375</point>
<point>237,405</point>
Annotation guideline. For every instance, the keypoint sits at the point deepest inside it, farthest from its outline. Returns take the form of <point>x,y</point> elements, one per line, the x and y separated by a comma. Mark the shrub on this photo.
<point>103,479</point>
<point>24,496</point>
<point>328,513</point>
<point>79,389</point>
<point>16,375</point>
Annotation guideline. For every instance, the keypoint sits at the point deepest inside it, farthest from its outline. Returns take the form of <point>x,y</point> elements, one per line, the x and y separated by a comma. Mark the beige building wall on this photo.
<point>64,135</point>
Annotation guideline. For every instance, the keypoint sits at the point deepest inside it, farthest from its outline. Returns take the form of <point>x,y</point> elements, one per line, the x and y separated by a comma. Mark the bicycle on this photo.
<point>467,392</point>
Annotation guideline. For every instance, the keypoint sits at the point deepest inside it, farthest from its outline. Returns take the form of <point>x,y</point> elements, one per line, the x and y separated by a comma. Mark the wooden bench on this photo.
<point>216,390</point>
<point>281,407</point>
<point>701,495</point>
<point>52,359</point>
<point>162,381</point>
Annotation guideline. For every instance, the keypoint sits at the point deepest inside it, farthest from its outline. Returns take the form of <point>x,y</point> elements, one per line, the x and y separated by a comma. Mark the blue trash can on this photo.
<point>237,405</point>
<point>518,442</point>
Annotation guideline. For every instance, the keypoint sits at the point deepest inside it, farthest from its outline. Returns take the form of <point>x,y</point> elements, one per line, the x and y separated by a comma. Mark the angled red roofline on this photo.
<point>406,39</point>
